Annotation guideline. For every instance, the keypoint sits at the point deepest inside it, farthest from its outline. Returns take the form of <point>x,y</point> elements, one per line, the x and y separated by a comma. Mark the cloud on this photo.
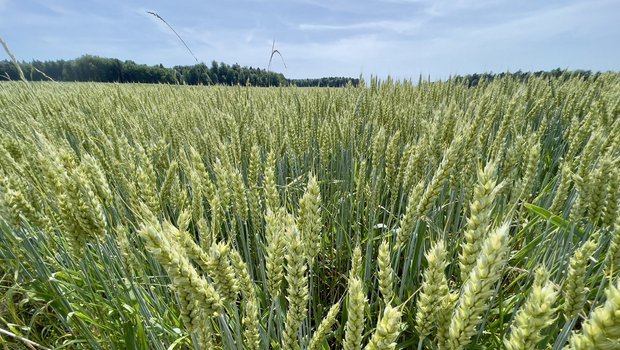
<point>406,1</point>
<point>249,36</point>
<point>318,38</point>
<point>536,26</point>
<point>345,56</point>
<point>451,45</point>
<point>401,27</point>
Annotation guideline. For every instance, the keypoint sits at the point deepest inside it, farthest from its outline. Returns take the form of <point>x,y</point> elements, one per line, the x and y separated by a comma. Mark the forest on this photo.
<point>90,68</point>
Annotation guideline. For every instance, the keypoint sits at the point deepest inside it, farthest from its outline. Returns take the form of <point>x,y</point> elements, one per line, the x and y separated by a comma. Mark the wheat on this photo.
<point>478,289</point>
<point>574,287</point>
<point>324,328</point>
<point>276,226</point>
<point>145,216</point>
<point>602,329</point>
<point>199,299</point>
<point>271,192</point>
<point>385,274</point>
<point>221,271</point>
<point>388,329</point>
<point>434,290</point>
<point>354,328</point>
<point>536,314</point>
<point>297,290</point>
<point>251,317</point>
<point>479,219</point>
<point>309,220</point>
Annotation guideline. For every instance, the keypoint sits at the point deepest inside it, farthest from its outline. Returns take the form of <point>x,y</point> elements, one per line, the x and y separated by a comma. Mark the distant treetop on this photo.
<point>90,68</point>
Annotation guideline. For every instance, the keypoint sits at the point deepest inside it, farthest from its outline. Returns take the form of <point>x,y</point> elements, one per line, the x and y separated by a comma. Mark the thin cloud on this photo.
<point>404,27</point>
<point>536,26</point>
<point>318,38</point>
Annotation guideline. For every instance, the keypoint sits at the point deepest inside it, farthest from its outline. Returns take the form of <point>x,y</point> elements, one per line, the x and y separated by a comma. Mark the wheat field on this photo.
<point>392,215</point>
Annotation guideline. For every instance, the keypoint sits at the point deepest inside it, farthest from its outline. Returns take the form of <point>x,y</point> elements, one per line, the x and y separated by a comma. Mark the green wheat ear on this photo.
<point>385,273</point>
<point>602,329</point>
<point>324,328</point>
<point>13,59</point>
<point>478,289</point>
<point>388,329</point>
<point>297,290</point>
<point>574,287</point>
<point>309,221</point>
<point>534,316</point>
<point>251,317</point>
<point>479,219</point>
<point>356,303</point>
<point>434,290</point>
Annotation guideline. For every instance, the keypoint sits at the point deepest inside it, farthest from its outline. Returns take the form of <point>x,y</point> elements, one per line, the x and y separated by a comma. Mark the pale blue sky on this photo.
<point>402,38</point>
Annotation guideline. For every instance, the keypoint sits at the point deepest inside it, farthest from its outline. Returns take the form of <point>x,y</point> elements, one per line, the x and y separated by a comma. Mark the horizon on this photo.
<point>425,78</point>
<point>402,39</point>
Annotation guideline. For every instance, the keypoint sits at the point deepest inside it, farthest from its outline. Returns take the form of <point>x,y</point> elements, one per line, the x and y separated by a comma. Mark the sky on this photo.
<point>397,38</point>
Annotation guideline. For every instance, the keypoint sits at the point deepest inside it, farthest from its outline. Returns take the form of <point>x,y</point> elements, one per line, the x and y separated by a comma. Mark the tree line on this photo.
<point>473,80</point>
<point>90,68</point>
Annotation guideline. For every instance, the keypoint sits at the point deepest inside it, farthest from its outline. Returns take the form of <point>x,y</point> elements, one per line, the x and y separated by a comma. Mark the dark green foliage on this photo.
<point>98,69</point>
<point>111,70</point>
<point>472,80</point>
